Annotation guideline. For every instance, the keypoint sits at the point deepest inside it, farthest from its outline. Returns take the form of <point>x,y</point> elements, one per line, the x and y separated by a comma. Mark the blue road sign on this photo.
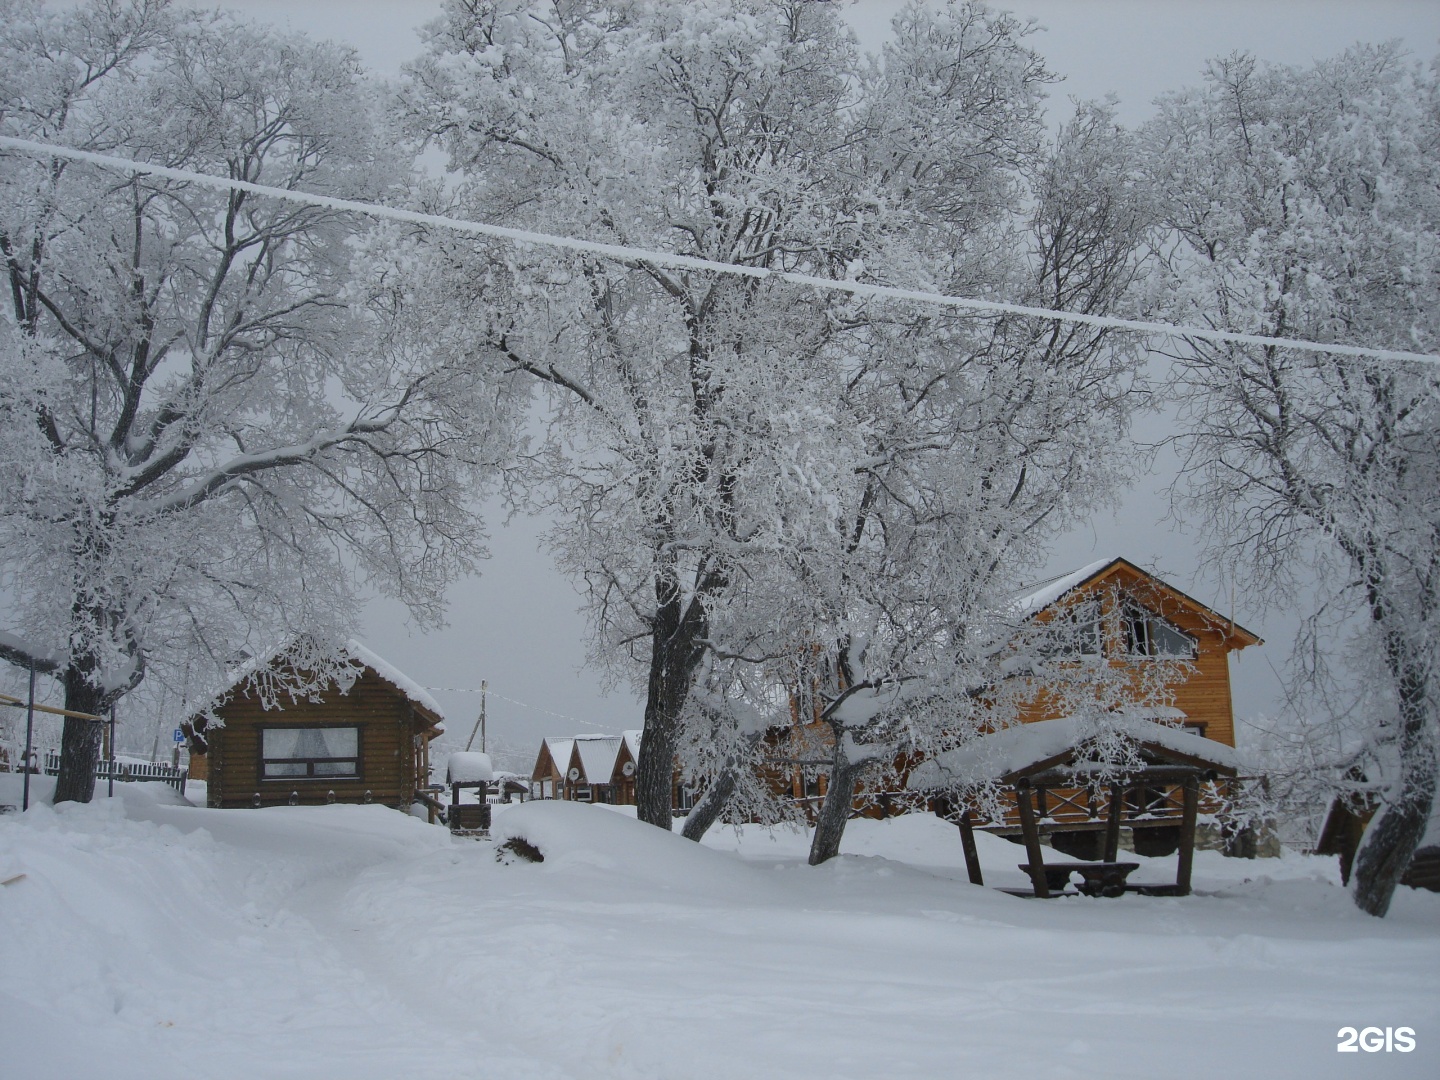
<point>179,735</point>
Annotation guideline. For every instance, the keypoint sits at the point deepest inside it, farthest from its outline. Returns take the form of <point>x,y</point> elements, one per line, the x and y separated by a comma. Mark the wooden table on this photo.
<point>1101,878</point>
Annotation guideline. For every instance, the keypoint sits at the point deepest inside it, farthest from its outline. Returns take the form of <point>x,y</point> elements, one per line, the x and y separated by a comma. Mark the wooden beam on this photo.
<point>972,854</point>
<point>1112,822</point>
<point>20,703</point>
<point>1041,767</point>
<point>1032,842</point>
<point>1161,751</point>
<point>1153,775</point>
<point>1191,804</point>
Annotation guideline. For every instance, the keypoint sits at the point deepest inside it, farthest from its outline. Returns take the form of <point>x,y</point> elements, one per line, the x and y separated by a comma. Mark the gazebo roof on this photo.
<point>1068,743</point>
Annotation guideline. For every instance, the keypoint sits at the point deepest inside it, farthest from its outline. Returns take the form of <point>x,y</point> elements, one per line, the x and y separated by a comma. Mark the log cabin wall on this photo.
<point>387,725</point>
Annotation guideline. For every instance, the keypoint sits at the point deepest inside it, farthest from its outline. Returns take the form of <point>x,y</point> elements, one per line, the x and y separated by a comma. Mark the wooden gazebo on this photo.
<point>1073,775</point>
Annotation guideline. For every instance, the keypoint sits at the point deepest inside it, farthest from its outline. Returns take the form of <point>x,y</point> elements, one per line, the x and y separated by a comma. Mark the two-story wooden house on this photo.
<point>1111,612</point>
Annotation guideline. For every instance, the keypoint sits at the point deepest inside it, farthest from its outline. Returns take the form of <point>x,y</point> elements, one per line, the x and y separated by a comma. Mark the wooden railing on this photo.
<point>1062,806</point>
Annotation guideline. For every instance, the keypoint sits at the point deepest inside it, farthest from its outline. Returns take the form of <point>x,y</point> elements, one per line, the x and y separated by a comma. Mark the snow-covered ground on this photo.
<point>149,938</point>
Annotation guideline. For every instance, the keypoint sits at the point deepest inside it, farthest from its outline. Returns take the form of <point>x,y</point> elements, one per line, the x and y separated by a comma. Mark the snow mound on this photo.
<point>577,836</point>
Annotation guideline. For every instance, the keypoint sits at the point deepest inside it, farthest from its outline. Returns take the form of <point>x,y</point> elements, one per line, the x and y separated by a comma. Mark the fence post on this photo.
<point>29,737</point>
<point>110,794</point>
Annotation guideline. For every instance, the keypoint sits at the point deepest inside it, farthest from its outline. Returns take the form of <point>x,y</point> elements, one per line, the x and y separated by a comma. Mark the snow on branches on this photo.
<point>220,423</point>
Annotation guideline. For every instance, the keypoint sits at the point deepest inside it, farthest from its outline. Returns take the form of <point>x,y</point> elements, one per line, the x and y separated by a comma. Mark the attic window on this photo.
<point>316,752</point>
<point>1146,634</point>
<point>1075,631</point>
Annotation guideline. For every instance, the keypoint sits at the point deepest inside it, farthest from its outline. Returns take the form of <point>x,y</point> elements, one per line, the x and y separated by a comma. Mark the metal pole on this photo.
<point>29,737</point>
<point>111,793</point>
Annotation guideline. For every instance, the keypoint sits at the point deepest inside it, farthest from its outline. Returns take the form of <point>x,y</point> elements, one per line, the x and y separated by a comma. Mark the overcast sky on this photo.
<point>517,626</point>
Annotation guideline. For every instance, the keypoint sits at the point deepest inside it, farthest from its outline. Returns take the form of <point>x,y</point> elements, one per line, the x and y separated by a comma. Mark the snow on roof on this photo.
<point>597,756</point>
<point>1047,592</point>
<point>632,741</point>
<point>18,644</point>
<point>1012,749</point>
<point>395,677</point>
<point>469,767</point>
<point>412,690</point>
<point>559,751</point>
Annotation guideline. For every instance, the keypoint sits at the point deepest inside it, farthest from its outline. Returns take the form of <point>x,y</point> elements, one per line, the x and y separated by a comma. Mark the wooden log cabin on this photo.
<point>596,769</point>
<point>588,768</point>
<point>365,742</point>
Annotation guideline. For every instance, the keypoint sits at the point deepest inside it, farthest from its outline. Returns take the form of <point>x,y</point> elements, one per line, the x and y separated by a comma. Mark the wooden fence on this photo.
<point>128,771</point>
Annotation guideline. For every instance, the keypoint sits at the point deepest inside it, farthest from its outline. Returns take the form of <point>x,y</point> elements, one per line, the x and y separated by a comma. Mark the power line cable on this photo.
<point>512,701</point>
<point>626,254</point>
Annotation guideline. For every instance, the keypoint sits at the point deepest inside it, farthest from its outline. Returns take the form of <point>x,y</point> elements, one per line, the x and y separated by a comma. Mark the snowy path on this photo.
<point>355,942</point>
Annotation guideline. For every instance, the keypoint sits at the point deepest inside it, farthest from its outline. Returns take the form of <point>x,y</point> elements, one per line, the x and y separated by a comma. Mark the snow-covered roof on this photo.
<point>469,767</point>
<point>20,645</point>
<point>412,690</point>
<point>559,752</point>
<point>395,677</point>
<point>1014,749</point>
<point>1041,595</point>
<point>1045,593</point>
<point>632,742</point>
<point>597,755</point>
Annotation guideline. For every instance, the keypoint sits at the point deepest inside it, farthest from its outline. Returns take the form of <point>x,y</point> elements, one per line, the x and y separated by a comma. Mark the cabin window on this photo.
<point>309,753</point>
<point>1146,634</point>
<point>1074,632</point>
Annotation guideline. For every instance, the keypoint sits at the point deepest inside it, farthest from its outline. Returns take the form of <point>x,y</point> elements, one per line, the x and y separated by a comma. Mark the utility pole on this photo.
<point>480,722</point>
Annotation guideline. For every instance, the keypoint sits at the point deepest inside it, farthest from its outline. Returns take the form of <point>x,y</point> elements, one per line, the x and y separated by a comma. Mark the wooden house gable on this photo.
<point>1137,617</point>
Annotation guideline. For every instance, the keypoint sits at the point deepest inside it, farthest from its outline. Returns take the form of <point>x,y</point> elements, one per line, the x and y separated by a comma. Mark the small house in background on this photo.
<point>368,742</point>
<point>588,768</point>
<point>551,766</point>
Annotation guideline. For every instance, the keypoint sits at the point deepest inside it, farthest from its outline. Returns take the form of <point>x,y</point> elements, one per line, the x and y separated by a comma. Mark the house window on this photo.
<point>1074,632</point>
<point>1146,634</point>
<point>288,753</point>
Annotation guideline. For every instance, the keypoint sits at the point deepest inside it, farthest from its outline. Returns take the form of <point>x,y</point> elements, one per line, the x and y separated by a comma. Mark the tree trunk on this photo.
<point>708,810</point>
<point>835,810</point>
<point>675,653</point>
<point>1390,842</point>
<point>80,739</point>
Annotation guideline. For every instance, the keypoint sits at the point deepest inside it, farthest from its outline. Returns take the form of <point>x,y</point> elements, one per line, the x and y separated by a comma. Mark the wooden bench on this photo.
<point>1101,878</point>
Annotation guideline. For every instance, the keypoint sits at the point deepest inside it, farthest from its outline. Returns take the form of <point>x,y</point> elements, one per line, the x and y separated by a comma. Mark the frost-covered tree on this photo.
<point>747,473</point>
<point>1306,203</point>
<point>217,422</point>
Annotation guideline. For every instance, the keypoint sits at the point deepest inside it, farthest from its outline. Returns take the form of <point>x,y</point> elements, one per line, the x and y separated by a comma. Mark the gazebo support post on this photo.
<point>1189,808</point>
<point>1112,823</point>
<point>972,855</point>
<point>1032,840</point>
